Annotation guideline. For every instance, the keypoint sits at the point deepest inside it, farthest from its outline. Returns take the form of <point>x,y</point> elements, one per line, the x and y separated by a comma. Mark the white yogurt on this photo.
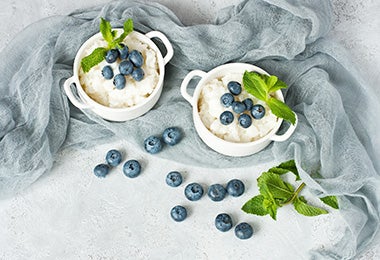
<point>210,108</point>
<point>104,92</point>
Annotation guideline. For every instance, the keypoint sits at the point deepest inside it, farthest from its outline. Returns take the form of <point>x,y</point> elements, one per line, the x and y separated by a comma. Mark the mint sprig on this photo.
<point>275,193</point>
<point>109,35</point>
<point>261,86</point>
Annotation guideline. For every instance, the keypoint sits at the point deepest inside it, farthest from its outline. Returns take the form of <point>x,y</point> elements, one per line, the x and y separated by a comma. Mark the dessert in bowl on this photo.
<point>119,92</point>
<point>232,123</point>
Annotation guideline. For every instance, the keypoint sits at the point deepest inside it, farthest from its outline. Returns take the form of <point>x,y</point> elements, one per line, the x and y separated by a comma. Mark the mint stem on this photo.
<point>298,190</point>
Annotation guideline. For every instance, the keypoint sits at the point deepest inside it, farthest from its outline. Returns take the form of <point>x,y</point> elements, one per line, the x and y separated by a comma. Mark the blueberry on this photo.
<point>235,187</point>
<point>123,51</point>
<point>258,111</point>
<point>171,135</point>
<point>136,58</point>
<point>138,74</point>
<point>193,191</point>
<point>234,87</point>
<point>243,230</point>
<point>223,222</point>
<point>101,170</point>
<point>238,107</point>
<point>174,179</point>
<point>119,81</point>
<point>226,118</point>
<point>131,168</point>
<point>226,99</point>
<point>178,213</point>
<point>107,72</point>
<point>216,192</point>
<point>248,104</point>
<point>112,55</point>
<point>125,67</point>
<point>152,144</point>
<point>113,157</point>
<point>245,120</point>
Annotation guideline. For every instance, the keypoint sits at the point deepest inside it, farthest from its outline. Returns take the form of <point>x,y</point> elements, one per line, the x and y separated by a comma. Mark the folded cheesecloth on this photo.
<point>338,115</point>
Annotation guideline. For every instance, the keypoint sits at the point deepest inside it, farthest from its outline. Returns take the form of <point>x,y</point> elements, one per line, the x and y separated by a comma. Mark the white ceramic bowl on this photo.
<point>81,100</point>
<point>218,144</point>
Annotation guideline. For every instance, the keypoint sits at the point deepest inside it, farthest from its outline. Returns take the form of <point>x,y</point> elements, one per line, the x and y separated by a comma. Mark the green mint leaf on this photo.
<point>255,206</point>
<point>280,109</point>
<point>128,28</point>
<point>271,207</point>
<point>255,85</point>
<point>93,59</point>
<point>278,85</point>
<point>301,206</point>
<point>106,31</point>
<point>332,201</point>
<point>285,167</point>
<point>272,184</point>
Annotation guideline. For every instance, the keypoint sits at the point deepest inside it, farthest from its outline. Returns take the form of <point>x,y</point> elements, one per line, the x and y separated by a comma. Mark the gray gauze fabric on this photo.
<point>338,115</point>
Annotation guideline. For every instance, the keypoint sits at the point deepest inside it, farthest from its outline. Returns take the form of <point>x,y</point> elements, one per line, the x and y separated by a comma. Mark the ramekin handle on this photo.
<point>186,81</point>
<point>287,134</point>
<point>74,99</point>
<point>165,41</point>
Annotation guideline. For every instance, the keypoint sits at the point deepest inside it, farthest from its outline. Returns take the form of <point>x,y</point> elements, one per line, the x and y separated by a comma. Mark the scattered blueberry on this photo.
<point>223,222</point>
<point>216,192</point>
<point>238,107</point>
<point>235,187</point>
<point>112,55</point>
<point>152,144</point>
<point>171,135</point>
<point>138,74</point>
<point>227,99</point>
<point>226,118</point>
<point>136,58</point>
<point>131,168</point>
<point>193,191</point>
<point>174,179</point>
<point>123,51</point>
<point>245,120</point>
<point>178,213</point>
<point>258,111</point>
<point>243,230</point>
<point>248,103</point>
<point>119,81</point>
<point>101,170</point>
<point>113,157</point>
<point>107,72</point>
<point>125,67</point>
<point>234,87</point>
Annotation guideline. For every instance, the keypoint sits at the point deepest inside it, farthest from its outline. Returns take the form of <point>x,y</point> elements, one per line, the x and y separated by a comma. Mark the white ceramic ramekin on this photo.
<point>214,142</point>
<point>81,100</point>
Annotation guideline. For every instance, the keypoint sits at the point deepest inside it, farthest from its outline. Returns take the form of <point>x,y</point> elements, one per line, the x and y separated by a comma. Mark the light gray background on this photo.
<point>70,214</point>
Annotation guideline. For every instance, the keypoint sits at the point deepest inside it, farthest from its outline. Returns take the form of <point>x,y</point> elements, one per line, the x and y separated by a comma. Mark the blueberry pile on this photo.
<point>245,110</point>
<point>216,192</point>
<point>130,65</point>
<point>171,136</point>
<point>131,168</point>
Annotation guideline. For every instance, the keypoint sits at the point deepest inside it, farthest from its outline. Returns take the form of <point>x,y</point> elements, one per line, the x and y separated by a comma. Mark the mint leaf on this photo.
<point>93,59</point>
<point>106,31</point>
<point>285,167</point>
<point>278,85</point>
<point>128,28</point>
<point>255,206</point>
<point>280,109</point>
<point>332,201</point>
<point>301,206</point>
<point>273,184</point>
<point>271,207</point>
<point>255,85</point>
